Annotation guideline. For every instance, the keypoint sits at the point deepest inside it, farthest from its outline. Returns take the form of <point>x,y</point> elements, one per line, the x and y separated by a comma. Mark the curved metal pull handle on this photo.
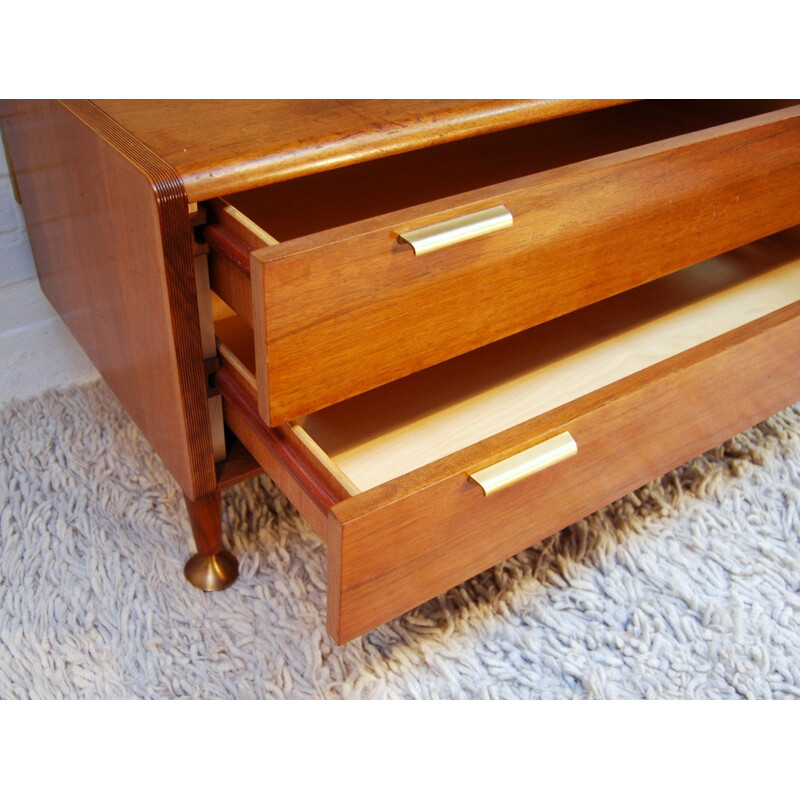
<point>528,462</point>
<point>459,229</point>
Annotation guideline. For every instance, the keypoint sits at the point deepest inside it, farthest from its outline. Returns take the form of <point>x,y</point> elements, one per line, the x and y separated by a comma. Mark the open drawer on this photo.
<point>422,483</point>
<point>334,274</point>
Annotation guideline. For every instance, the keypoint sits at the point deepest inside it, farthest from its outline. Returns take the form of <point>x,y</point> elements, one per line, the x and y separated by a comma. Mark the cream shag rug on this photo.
<point>689,588</point>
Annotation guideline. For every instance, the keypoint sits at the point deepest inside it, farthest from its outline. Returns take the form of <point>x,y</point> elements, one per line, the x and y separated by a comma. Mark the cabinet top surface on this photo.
<point>222,146</point>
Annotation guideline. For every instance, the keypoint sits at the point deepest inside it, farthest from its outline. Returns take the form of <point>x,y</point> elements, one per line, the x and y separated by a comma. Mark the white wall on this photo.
<point>16,259</point>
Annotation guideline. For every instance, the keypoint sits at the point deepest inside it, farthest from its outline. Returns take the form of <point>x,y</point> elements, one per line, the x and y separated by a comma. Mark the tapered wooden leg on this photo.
<point>212,568</point>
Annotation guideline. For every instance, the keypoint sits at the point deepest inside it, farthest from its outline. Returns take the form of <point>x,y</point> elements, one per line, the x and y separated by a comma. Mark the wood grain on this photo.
<point>205,517</point>
<point>346,310</point>
<point>400,544</point>
<point>332,198</point>
<point>219,146</point>
<point>111,236</point>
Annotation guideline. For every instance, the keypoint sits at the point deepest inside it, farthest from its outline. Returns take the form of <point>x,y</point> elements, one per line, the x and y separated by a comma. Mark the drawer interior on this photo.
<point>329,199</point>
<point>387,432</point>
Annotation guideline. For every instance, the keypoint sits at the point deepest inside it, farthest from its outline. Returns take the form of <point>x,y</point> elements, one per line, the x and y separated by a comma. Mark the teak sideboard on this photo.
<point>446,329</point>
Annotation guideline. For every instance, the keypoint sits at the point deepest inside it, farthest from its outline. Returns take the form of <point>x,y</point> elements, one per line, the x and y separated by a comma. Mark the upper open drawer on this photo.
<point>586,207</point>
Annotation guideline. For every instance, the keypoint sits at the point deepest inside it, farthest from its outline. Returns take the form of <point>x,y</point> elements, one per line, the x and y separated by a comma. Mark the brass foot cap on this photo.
<point>212,573</point>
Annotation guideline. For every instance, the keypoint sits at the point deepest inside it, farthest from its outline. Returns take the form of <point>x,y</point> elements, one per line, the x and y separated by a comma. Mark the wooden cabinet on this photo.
<point>384,300</point>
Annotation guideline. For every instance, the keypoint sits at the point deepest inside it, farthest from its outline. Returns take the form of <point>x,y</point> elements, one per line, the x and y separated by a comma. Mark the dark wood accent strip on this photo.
<point>234,249</point>
<point>311,489</point>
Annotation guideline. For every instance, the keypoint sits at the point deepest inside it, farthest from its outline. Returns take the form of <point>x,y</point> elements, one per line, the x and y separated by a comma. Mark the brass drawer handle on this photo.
<point>528,462</point>
<point>459,229</point>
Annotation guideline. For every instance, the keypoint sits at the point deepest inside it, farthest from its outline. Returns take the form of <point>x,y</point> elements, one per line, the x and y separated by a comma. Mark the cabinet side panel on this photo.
<point>112,243</point>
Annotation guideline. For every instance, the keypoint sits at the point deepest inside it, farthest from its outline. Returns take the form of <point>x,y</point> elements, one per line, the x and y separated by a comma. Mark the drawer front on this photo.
<point>402,543</point>
<point>345,310</point>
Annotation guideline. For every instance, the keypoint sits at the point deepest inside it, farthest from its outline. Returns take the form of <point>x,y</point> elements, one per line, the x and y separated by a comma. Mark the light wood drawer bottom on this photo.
<point>715,352</point>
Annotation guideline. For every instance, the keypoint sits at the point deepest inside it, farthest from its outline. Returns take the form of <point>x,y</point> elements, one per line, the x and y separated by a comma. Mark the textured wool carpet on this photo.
<point>688,588</point>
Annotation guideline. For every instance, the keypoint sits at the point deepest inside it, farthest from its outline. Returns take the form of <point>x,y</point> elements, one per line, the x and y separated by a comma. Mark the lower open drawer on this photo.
<point>394,480</point>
